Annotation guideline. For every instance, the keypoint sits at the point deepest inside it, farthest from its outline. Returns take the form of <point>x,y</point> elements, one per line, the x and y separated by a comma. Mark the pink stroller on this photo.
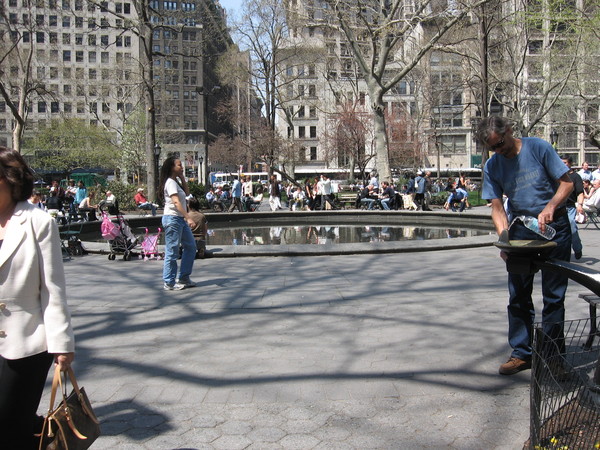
<point>150,246</point>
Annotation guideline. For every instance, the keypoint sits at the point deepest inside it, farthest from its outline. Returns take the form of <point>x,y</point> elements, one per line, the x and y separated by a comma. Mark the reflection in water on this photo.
<point>331,234</point>
<point>316,234</point>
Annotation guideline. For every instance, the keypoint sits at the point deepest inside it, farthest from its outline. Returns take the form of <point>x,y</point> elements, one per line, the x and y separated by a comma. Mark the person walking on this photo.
<point>574,205</point>
<point>535,180</point>
<point>176,223</point>
<point>420,187</point>
<point>236,195</point>
<point>35,322</point>
<point>274,193</point>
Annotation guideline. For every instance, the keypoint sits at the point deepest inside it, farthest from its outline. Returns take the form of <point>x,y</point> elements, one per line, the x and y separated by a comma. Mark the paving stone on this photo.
<point>304,352</point>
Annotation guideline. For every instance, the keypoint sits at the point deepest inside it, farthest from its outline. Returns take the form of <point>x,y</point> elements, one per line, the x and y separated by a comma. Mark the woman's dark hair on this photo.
<point>194,204</point>
<point>165,172</point>
<point>18,175</point>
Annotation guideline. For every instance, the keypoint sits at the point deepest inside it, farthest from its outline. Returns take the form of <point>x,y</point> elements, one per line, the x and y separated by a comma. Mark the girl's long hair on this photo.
<point>165,172</point>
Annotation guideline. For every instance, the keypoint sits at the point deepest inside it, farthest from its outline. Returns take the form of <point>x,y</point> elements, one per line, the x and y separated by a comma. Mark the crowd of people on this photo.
<point>319,193</point>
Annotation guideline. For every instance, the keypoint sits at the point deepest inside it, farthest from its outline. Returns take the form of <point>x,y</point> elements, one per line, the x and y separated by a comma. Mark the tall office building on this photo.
<point>85,60</point>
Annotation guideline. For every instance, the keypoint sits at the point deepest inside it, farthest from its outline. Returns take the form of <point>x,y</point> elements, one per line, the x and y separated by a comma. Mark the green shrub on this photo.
<point>124,194</point>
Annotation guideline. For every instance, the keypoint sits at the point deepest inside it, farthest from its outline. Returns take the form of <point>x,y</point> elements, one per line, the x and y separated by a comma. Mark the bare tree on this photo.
<point>387,41</point>
<point>20,79</point>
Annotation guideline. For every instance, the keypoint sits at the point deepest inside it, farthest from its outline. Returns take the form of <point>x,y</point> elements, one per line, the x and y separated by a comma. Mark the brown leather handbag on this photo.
<point>72,425</point>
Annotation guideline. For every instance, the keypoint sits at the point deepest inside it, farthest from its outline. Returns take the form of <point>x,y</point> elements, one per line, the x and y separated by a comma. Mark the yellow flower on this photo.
<point>554,441</point>
<point>597,445</point>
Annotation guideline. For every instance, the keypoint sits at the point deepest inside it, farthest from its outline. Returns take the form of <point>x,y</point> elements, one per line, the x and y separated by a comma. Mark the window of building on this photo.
<point>312,90</point>
<point>78,22</point>
<point>67,89</point>
<point>66,22</point>
<point>104,40</point>
<point>53,21</point>
<point>313,132</point>
<point>300,90</point>
<point>105,108</point>
<point>91,21</point>
<point>53,72</point>
<point>312,112</point>
<point>301,132</point>
<point>54,107</point>
<point>66,5</point>
<point>80,108</point>
<point>104,59</point>
<point>40,37</point>
<point>92,74</point>
<point>79,56</point>
<point>39,19</point>
<point>104,23</point>
<point>313,153</point>
<point>41,72</point>
<point>66,39</point>
<point>78,5</point>
<point>301,112</point>
<point>41,107</point>
<point>67,108</point>
<point>92,57</point>
<point>66,56</point>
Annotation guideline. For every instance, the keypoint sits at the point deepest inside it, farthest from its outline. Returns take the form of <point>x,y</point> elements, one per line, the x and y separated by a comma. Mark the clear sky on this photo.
<point>231,5</point>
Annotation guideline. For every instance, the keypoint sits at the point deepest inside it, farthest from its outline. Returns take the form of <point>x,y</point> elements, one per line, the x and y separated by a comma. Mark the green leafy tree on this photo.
<point>72,143</point>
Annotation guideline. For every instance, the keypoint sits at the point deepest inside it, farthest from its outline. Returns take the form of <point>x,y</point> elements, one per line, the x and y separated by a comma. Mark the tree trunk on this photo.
<point>382,164</point>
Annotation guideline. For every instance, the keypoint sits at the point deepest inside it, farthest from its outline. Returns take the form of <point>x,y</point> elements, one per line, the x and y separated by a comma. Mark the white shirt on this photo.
<point>172,187</point>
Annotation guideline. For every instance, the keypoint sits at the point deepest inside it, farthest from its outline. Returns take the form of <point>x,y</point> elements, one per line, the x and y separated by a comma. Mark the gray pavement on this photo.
<point>373,351</point>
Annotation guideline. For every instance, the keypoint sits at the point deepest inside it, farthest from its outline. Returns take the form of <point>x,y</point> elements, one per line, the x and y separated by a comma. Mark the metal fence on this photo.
<point>565,388</point>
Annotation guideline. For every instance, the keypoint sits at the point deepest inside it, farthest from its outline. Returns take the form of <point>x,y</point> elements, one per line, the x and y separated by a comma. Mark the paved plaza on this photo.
<point>375,351</point>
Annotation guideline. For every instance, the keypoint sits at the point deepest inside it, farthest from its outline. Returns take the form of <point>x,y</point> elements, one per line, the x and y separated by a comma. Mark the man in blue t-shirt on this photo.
<point>529,172</point>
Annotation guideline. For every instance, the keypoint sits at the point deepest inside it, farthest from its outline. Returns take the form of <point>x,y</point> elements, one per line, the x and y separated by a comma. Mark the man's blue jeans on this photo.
<point>521,312</point>
<point>370,202</point>
<point>575,239</point>
<point>385,202</point>
<point>177,232</point>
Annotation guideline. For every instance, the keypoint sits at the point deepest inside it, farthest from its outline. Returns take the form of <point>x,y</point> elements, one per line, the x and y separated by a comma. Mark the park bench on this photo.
<point>593,301</point>
<point>347,200</point>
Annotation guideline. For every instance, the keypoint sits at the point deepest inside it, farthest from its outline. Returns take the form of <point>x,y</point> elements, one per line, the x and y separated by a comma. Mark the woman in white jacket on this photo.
<point>35,325</point>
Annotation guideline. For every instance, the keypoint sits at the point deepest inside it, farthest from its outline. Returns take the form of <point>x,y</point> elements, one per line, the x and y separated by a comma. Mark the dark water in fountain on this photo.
<point>320,234</point>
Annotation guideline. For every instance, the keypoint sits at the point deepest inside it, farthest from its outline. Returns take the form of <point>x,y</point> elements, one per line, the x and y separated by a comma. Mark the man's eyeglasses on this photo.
<point>498,144</point>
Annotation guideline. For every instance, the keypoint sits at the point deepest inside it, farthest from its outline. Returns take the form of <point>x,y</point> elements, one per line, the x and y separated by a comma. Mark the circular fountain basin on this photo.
<point>429,231</point>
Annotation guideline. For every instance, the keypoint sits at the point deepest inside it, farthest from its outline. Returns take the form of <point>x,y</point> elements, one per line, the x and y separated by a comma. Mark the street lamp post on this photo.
<point>157,149</point>
<point>200,170</point>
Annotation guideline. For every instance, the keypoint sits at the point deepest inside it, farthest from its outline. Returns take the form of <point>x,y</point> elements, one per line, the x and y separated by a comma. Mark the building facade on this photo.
<point>82,59</point>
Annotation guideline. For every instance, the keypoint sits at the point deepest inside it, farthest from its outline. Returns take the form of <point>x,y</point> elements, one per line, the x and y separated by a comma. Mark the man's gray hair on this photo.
<point>492,124</point>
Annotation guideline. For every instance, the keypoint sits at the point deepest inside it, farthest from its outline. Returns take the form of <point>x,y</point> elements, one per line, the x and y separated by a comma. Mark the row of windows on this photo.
<point>67,5</point>
<point>65,21</point>
<point>174,79</point>
<point>172,5</point>
<point>174,64</point>
<point>301,90</point>
<point>171,34</point>
<point>80,108</point>
<point>301,71</point>
<point>42,37</point>
<point>312,132</point>
<point>302,110</point>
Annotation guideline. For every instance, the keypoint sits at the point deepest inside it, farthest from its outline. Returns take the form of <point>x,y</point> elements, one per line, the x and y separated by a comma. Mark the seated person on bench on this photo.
<point>142,202</point>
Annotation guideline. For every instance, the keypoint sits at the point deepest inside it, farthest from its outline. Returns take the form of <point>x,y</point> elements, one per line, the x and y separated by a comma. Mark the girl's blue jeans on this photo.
<point>177,232</point>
